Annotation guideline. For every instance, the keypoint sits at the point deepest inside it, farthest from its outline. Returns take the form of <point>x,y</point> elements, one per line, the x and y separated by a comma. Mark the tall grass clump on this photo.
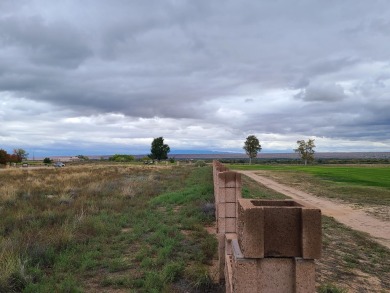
<point>12,269</point>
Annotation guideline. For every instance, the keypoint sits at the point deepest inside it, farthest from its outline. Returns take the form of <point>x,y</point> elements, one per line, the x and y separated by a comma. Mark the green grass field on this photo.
<point>376,176</point>
<point>359,184</point>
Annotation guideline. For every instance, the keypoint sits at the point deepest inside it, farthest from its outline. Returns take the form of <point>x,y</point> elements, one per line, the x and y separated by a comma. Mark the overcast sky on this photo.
<point>102,77</point>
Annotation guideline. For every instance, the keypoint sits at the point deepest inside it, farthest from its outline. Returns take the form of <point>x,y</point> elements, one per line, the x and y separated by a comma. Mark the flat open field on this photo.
<point>133,228</point>
<point>106,228</point>
<point>358,184</point>
<point>351,260</point>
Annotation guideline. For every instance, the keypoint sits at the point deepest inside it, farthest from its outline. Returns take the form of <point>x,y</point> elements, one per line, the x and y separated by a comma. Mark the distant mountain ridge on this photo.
<point>196,154</point>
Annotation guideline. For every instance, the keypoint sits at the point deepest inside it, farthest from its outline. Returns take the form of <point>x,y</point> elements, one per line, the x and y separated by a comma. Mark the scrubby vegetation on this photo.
<point>92,228</point>
<point>121,158</point>
<point>200,163</point>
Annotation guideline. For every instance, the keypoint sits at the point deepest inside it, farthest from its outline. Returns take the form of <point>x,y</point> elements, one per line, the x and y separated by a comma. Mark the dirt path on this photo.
<point>343,213</point>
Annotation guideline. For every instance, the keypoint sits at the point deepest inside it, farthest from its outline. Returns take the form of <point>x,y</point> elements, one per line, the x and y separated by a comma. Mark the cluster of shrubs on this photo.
<point>121,158</point>
<point>9,158</point>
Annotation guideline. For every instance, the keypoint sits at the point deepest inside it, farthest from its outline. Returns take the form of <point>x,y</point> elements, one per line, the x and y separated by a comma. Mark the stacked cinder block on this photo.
<point>264,245</point>
<point>277,242</point>
<point>227,189</point>
<point>217,168</point>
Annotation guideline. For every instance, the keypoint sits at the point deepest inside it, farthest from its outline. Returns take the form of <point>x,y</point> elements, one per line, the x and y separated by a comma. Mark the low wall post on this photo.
<point>264,245</point>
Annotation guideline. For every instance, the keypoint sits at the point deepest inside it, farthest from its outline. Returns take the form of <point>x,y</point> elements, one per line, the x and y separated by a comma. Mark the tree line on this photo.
<point>17,156</point>
<point>305,149</point>
<point>159,151</point>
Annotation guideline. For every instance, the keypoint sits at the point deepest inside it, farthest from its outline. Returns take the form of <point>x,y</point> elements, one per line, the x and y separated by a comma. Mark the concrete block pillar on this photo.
<point>228,188</point>
<point>278,228</point>
<point>266,246</point>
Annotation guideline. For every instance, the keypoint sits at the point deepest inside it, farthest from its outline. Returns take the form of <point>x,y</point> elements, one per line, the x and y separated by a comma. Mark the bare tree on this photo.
<point>306,150</point>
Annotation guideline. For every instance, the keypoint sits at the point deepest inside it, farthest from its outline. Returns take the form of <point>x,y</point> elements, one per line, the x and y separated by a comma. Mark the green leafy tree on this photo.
<point>306,150</point>
<point>252,147</point>
<point>21,154</point>
<point>159,150</point>
<point>47,161</point>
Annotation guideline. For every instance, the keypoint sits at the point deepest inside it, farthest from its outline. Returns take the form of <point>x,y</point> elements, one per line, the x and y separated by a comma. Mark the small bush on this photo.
<point>121,158</point>
<point>12,275</point>
<point>172,271</point>
<point>198,276</point>
<point>200,163</point>
<point>330,288</point>
<point>47,161</point>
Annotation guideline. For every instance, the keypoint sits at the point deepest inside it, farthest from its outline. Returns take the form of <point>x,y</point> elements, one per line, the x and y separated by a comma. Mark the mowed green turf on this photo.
<point>375,176</point>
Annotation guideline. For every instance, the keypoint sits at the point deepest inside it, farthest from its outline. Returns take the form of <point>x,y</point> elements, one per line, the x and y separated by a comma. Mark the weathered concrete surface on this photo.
<point>278,228</point>
<point>270,275</point>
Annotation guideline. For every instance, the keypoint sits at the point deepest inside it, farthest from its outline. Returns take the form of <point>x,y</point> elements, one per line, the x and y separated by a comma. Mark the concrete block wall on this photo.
<point>278,228</point>
<point>227,189</point>
<point>269,274</point>
<point>264,245</point>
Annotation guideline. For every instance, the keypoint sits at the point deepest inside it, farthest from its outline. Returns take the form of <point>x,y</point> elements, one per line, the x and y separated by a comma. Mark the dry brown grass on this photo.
<point>103,228</point>
<point>46,210</point>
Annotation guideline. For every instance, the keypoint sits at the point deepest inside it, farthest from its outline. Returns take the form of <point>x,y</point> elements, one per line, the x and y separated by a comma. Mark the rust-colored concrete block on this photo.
<point>278,228</point>
<point>305,277</point>
<point>244,273</point>
<point>250,229</point>
<point>228,194</point>
<point>282,232</point>
<point>230,225</point>
<point>221,210</point>
<point>226,210</point>
<point>274,240</point>
<point>311,233</point>
<point>221,255</point>
<point>226,225</point>
<point>230,210</point>
<point>232,194</point>
<point>276,275</point>
<point>221,226</point>
<point>229,179</point>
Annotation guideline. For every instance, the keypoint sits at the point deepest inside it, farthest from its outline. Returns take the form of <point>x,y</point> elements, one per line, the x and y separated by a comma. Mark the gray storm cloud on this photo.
<point>322,93</point>
<point>264,64</point>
